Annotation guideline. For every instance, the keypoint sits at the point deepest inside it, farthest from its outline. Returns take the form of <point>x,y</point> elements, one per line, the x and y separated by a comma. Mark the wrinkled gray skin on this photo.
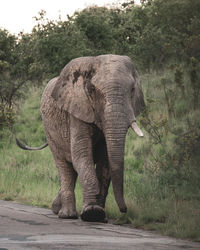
<point>86,113</point>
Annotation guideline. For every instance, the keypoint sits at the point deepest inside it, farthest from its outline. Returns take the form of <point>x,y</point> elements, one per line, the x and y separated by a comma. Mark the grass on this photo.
<point>162,174</point>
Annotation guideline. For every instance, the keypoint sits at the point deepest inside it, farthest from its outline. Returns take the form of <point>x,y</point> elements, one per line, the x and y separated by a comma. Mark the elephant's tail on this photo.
<point>26,147</point>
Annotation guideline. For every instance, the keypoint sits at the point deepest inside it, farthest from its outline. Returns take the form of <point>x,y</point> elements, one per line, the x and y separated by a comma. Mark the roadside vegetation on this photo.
<point>162,175</point>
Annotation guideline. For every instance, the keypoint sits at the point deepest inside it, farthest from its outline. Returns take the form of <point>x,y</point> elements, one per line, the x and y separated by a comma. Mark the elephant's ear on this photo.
<point>138,97</point>
<point>70,95</point>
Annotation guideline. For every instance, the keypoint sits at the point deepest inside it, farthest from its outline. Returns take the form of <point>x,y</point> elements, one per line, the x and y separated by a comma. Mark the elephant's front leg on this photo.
<point>82,158</point>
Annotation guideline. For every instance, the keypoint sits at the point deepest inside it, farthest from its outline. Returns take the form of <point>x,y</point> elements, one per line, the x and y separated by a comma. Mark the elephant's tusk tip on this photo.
<point>137,130</point>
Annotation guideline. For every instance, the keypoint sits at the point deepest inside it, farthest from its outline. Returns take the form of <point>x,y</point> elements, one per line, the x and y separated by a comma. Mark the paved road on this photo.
<point>26,227</point>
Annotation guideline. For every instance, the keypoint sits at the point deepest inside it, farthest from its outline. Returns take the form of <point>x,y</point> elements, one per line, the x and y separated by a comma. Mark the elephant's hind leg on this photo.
<point>65,201</point>
<point>102,172</point>
<point>57,204</point>
<point>55,124</point>
<point>64,204</point>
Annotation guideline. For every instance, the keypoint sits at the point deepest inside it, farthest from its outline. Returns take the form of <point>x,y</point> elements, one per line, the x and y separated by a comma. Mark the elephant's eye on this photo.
<point>91,88</point>
<point>132,91</point>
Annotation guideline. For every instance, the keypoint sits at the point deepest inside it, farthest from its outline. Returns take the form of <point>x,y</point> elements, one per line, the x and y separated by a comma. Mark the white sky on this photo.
<point>17,15</point>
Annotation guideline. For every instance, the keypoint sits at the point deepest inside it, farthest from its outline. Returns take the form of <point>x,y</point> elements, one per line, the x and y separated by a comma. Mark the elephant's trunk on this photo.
<point>115,134</point>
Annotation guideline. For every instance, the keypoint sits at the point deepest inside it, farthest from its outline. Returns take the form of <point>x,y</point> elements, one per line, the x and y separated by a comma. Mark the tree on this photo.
<point>10,89</point>
<point>95,24</point>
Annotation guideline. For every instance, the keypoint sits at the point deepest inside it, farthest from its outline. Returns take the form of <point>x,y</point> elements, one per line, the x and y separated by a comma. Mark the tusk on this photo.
<point>137,130</point>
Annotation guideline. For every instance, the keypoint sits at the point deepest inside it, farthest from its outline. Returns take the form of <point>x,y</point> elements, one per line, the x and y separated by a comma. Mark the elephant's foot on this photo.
<point>66,213</point>
<point>93,213</point>
<point>56,205</point>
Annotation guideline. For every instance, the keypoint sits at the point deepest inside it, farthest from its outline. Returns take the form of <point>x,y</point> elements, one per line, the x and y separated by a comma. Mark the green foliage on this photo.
<point>7,44</point>
<point>7,117</point>
<point>163,179</point>
<point>55,44</point>
<point>174,155</point>
<point>95,24</point>
<point>10,86</point>
<point>194,67</point>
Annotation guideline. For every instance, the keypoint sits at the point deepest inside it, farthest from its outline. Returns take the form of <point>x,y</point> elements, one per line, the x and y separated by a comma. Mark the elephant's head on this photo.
<point>105,91</point>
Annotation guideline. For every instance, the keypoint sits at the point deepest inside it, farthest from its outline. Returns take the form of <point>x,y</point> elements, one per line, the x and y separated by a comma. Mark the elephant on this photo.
<point>86,112</point>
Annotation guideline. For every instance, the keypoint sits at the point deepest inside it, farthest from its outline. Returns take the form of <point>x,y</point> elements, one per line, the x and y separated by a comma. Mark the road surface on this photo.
<point>26,227</point>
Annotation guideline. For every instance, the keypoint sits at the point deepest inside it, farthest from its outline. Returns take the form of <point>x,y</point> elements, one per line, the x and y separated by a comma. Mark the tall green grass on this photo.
<point>162,177</point>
